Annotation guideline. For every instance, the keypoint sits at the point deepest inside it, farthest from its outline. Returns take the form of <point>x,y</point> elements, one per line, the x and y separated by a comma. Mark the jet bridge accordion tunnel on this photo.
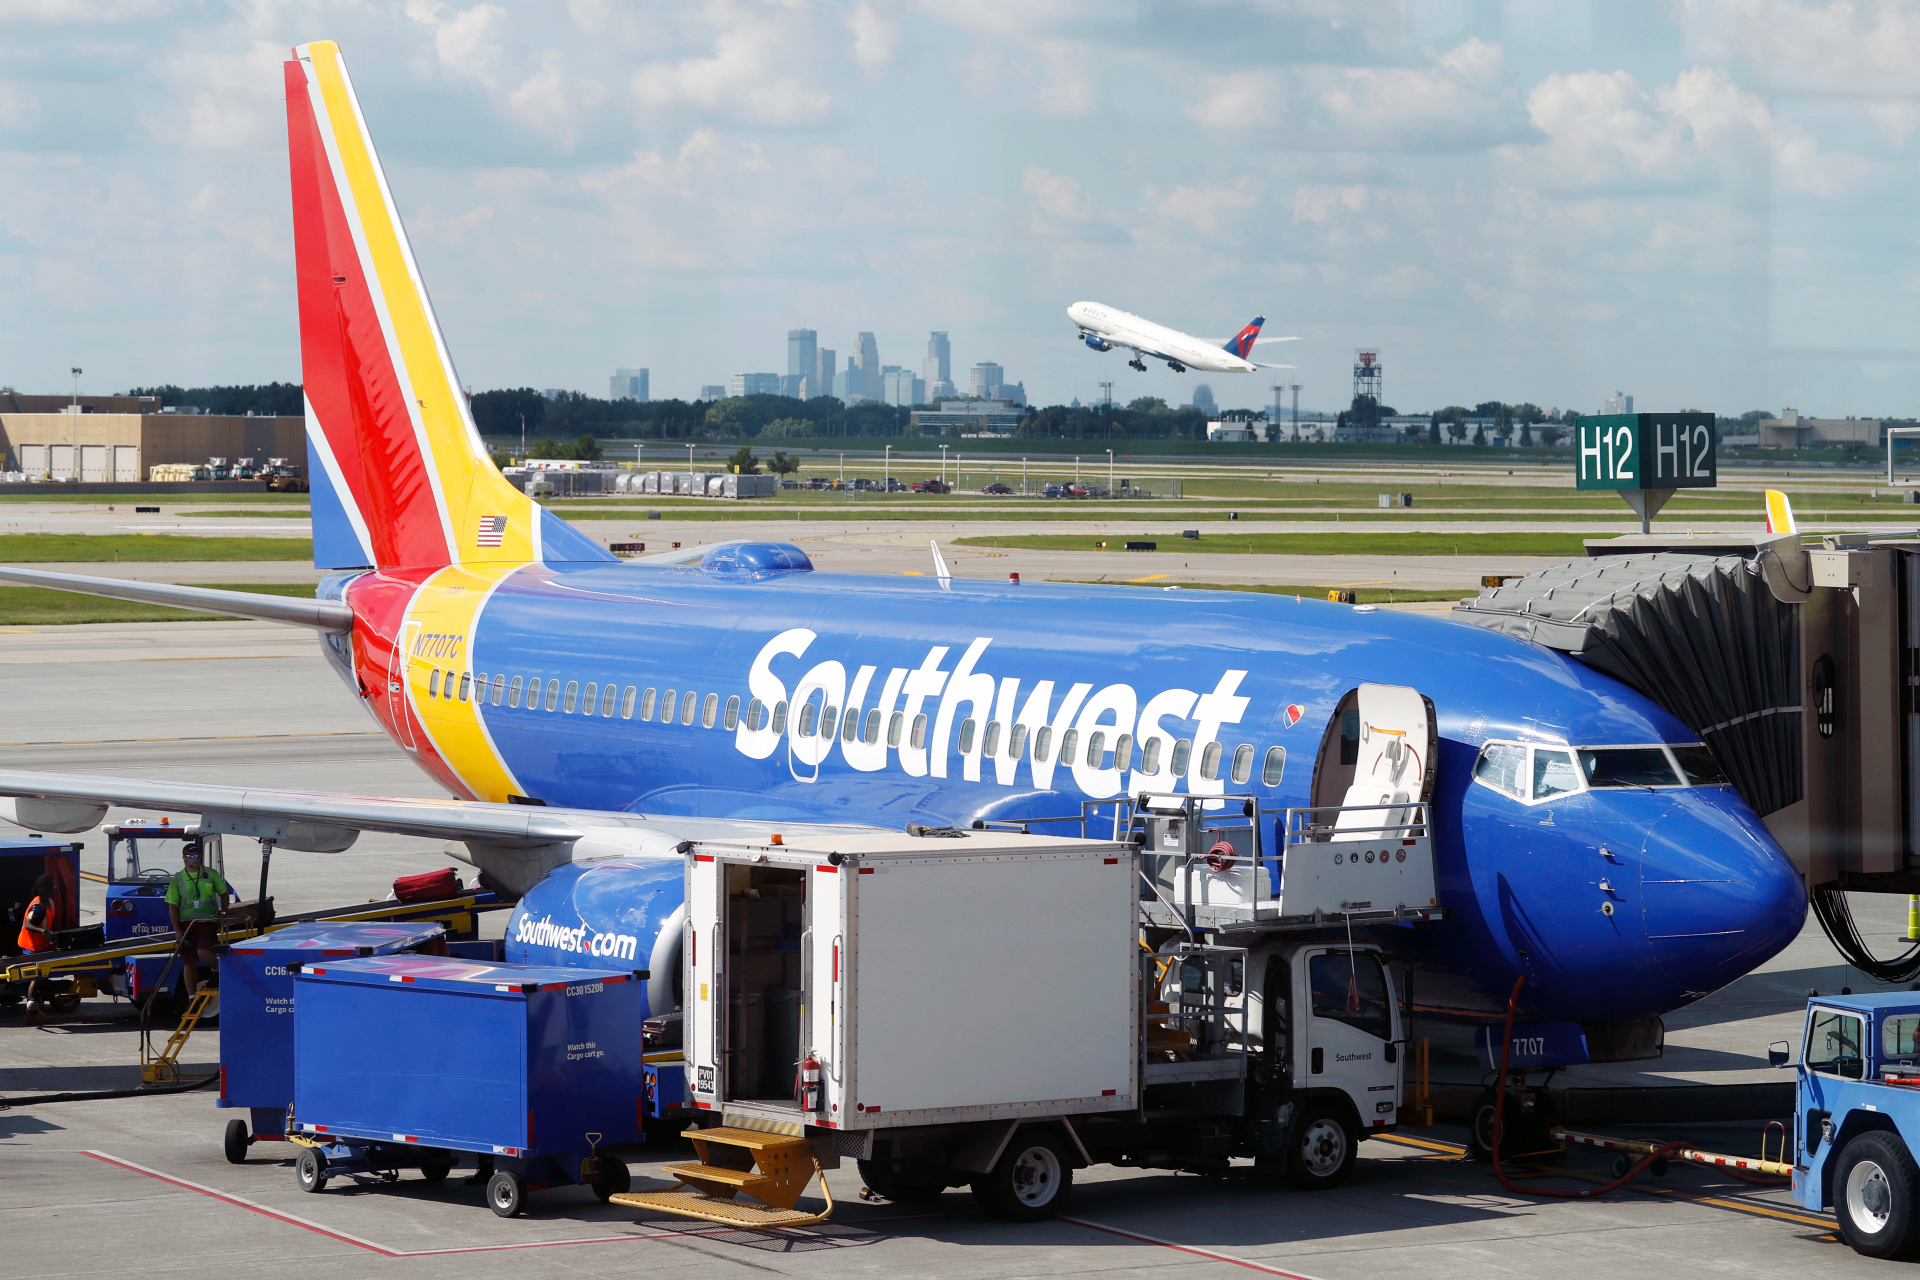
<point>1797,663</point>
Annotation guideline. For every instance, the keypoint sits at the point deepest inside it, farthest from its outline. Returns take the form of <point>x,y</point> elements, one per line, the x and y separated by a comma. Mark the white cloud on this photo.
<point>1201,207</point>
<point>749,76</point>
<point>1056,195</point>
<point>467,41</point>
<point>1319,203</point>
<point>552,100</point>
<point>1242,100</point>
<point>876,36</point>
<point>80,12</point>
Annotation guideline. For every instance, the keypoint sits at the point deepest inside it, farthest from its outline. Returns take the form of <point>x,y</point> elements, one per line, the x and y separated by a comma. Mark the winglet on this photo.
<point>1779,513</point>
<point>940,569</point>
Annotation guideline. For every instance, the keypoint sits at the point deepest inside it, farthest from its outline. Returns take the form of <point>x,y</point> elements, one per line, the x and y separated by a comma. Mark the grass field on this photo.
<point>37,606</point>
<point>106,548</point>
<point>1312,544</point>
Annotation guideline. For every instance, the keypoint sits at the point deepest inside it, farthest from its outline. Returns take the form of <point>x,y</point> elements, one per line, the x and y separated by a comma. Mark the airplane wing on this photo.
<point>1256,342</point>
<point>321,615</point>
<point>1258,365</point>
<point>516,844</point>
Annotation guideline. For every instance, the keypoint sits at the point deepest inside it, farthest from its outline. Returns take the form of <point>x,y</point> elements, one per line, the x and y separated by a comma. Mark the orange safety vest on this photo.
<point>31,941</point>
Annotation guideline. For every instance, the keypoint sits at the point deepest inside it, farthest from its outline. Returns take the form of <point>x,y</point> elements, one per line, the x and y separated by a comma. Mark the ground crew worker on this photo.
<point>36,934</point>
<point>195,898</point>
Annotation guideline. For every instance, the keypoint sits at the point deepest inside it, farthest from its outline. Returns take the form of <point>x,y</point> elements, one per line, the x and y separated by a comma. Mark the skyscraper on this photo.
<point>939,358</point>
<point>800,353</point>
<point>985,380</point>
<point>823,371</point>
<point>867,356</point>
<point>628,384</point>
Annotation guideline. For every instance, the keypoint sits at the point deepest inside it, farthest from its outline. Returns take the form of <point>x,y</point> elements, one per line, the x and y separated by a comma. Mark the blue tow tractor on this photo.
<point>256,984</point>
<point>142,859</point>
<point>413,1061</point>
<point>1857,1118</point>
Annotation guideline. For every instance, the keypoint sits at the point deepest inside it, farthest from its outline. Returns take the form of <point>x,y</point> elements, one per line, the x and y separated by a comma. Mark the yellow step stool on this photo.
<point>783,1164</point>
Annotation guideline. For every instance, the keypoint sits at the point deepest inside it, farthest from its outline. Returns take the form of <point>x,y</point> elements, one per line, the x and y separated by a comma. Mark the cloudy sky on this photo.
<point>1707,203</point>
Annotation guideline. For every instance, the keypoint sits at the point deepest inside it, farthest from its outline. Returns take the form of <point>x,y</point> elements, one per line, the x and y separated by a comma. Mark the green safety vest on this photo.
<point>198,897</point>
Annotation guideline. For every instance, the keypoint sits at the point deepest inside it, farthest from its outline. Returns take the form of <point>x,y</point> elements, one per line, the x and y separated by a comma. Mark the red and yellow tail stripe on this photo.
<point>392,427</point>
<point>1780,513</point>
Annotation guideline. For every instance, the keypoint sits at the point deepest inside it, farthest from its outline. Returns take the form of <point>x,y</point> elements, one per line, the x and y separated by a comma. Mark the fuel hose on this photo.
<point>185,1086</point>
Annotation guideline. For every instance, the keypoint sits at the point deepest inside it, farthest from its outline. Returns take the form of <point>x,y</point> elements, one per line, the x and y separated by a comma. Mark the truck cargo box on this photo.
<point>517,1060</point>
<point>256,1005</point>
<point>966,976</point>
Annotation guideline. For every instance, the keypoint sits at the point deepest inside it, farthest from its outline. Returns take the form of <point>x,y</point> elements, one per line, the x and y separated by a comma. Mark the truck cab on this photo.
<point>1857,1117</point>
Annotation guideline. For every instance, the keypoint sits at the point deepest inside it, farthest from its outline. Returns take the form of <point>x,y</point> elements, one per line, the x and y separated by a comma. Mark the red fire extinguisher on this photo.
<point>809,1097</point>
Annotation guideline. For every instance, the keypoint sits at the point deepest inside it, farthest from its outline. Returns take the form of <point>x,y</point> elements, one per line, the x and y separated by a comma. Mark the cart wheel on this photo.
<point>311,1169</point>
<point>67,1003</point>
<point>436,1167</point>
<point>506,1194</point>
<point>1622,1163</point>
<point>612,1178</point>
<point>237,1142</point>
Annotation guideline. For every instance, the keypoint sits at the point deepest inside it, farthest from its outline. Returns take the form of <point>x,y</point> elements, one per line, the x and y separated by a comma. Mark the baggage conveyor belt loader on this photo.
<point>994,1009</point>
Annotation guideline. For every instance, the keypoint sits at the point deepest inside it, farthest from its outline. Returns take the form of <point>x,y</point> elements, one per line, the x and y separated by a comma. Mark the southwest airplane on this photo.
<point>588,714</point>
<point>1103,328</point>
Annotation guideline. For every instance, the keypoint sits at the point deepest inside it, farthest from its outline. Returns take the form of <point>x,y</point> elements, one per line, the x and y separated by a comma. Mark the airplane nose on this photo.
<point>1719,896</point>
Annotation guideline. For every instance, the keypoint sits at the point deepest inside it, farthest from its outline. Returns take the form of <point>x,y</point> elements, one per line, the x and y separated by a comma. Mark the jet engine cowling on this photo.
<point>1096,342</point>
<point>607,913</point>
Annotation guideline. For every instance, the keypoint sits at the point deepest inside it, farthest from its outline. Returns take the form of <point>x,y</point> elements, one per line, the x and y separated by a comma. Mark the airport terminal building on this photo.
<point>122,438</point>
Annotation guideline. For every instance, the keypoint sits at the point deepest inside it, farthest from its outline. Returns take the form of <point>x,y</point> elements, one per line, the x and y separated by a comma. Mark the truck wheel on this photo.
<point>883,1181</point>
<point>506,1194</point>
<point>611,1178</point>
<point>1032,1181</point>
<point>311,1170</point>
<point>237,1142</point>
<point>1323,1150</point>
<point>436,1167</point>
<point>66,1002</point>
<point>1874,1183</point>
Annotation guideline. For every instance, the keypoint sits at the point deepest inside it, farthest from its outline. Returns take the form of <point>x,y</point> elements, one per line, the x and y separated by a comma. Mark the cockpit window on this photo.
<point>1627,767</point>
<point>1701,768</point>
<point>1501,767</point>
<point>1553,773</point>
<point>1533,774</point>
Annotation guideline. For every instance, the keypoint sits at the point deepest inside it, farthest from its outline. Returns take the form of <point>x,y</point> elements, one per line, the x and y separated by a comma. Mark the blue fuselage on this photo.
<point>1618,903</point>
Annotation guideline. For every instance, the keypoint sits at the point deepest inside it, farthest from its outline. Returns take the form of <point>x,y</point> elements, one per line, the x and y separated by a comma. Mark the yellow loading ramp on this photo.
<point>772,1161</point>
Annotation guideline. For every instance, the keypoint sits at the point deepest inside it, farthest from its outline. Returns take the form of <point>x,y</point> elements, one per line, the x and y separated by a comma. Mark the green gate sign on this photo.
<point>1645,451</point>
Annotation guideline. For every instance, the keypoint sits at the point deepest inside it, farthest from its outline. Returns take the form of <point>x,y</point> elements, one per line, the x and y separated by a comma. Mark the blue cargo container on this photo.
<point>401,1061</point>
<point>256,1013</point>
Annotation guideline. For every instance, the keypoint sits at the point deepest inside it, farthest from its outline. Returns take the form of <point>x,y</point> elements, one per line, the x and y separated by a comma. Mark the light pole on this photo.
<point>1023,477</point>
<point>943,464</point>
<point>689,457</point>
<point>886,470</point>
<point>843,468</point>
<point>1076,468</point>
<point>1110,489</point>
<point>76,424</point>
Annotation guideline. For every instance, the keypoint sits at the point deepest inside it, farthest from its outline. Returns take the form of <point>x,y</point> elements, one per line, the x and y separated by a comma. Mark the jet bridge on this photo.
<point>1797,663</point>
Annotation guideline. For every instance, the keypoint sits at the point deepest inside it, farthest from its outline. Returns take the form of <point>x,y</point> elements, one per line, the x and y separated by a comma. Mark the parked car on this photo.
<point>1056,491</point>
<point>1078,491</point>
<point>996,487</point>
<point>896,486</point>
<point>932,486</point>
<point>789,484</point>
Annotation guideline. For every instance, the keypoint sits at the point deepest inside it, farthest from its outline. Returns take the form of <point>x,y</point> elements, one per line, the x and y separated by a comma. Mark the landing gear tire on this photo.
<point>435,1168</point>
<point>1874,1183</point>
<point>882,1181</point>
<point>311,1170</point>
<point>236,1142</point>
<point>611,1179</point>
<point>1031,1182</point>
<point>1137,364</point>
<point>65,1003</point>
<point>506,1194</point>
<point>1323,1150</point>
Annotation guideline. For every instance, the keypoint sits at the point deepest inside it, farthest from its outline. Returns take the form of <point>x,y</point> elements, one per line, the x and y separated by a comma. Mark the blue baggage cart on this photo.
<point>409,1061</point>
<point>256,1006</point>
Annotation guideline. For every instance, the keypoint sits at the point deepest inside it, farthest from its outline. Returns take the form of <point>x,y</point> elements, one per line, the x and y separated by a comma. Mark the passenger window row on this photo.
<point>814,721</point>
<point>595,699</point>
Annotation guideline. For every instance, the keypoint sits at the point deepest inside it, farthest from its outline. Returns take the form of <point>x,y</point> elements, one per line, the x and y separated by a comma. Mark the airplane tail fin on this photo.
<point>1780,513</point>
<point>400,476</point>
<point>1242,342</point>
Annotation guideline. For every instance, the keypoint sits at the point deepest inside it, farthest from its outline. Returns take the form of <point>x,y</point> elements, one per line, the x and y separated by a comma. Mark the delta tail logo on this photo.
<point>1242,343</point>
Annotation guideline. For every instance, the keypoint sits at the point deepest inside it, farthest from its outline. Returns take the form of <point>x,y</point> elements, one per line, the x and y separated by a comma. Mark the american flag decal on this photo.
<point>492,530</point>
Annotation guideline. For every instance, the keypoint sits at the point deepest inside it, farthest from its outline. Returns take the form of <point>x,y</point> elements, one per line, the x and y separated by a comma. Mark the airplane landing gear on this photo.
<point>1176,366</point>
<point>1141,365</point>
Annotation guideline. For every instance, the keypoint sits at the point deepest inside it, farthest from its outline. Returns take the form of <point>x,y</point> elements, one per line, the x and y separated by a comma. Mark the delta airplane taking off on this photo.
<point>588,715</point>
<point>1103,328</point>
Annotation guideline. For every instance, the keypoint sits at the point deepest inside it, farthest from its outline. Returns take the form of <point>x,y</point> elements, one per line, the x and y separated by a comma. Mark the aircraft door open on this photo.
<point>1378,750</point>
<point>397,686</point>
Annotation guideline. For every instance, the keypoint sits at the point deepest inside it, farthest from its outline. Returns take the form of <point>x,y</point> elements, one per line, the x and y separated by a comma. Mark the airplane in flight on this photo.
<point>1103,328</point>
<point>588,714</point>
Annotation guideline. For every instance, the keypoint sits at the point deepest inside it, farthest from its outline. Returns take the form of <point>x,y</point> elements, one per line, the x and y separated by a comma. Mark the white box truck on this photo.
<point>994,1009</point>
